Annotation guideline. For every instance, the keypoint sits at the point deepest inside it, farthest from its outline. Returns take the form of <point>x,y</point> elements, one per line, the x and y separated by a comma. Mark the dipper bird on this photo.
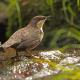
<point>28,37</point>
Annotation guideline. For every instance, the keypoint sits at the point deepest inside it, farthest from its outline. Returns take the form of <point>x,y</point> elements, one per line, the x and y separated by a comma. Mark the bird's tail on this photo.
<point>1,48</point>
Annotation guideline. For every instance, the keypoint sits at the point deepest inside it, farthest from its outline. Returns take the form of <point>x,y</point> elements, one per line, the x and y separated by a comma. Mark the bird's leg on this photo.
<point>17,56</point>
<point>29,53</point>
<point>17,53</point>
<point>20,53</point>
<point>26,53</point>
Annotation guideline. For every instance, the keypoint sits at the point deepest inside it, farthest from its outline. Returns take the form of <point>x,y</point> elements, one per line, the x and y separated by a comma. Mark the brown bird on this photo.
<point>28,37</point>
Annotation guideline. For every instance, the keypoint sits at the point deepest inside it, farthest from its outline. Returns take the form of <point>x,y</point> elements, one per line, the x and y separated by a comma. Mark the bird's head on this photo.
<point>38,21</point>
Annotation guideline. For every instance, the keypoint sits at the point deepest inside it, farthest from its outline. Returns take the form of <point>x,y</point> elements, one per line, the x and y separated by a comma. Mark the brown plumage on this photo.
<point>28,37</point>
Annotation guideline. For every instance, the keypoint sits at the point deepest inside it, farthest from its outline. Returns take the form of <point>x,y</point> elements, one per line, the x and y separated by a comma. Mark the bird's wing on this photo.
<point>28,44</point>
<point>16,38</point>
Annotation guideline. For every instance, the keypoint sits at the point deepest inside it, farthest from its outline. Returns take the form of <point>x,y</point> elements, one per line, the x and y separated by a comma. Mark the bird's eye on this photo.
<point>44,17</point>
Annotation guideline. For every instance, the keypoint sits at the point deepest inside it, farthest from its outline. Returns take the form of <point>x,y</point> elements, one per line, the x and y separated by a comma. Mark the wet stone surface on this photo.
<point>43,65</point>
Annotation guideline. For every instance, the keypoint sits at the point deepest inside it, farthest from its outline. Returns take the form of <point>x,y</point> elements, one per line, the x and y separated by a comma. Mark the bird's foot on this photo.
<point>29,53</point>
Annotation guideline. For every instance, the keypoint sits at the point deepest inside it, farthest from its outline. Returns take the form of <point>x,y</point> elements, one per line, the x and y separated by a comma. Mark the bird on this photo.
<point>28,37</point>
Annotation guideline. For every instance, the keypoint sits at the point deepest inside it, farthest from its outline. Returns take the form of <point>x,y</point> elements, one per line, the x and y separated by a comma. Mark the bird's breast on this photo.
<point>41,34</point>
<point>33,39</point>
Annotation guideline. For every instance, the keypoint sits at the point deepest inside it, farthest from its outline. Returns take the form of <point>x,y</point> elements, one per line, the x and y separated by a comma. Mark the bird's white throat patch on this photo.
<point>40,26</point>
<point>41,33</point>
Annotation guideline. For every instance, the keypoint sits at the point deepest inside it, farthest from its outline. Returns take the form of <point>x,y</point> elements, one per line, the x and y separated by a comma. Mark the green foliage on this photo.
<point>78,4</point>
<point>70,30</point>
<point>50,4</point>
<point>13,10</point>
<point>68,75</point>
<point>61,31</point>
<point>2,6</point>
<point>65,73</point>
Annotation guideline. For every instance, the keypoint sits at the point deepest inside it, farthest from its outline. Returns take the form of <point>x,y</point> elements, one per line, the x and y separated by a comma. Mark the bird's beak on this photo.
<point>47,17</point>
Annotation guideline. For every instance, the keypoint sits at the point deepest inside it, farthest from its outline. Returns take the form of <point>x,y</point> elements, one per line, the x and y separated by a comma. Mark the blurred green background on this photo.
<point>62,30</point>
